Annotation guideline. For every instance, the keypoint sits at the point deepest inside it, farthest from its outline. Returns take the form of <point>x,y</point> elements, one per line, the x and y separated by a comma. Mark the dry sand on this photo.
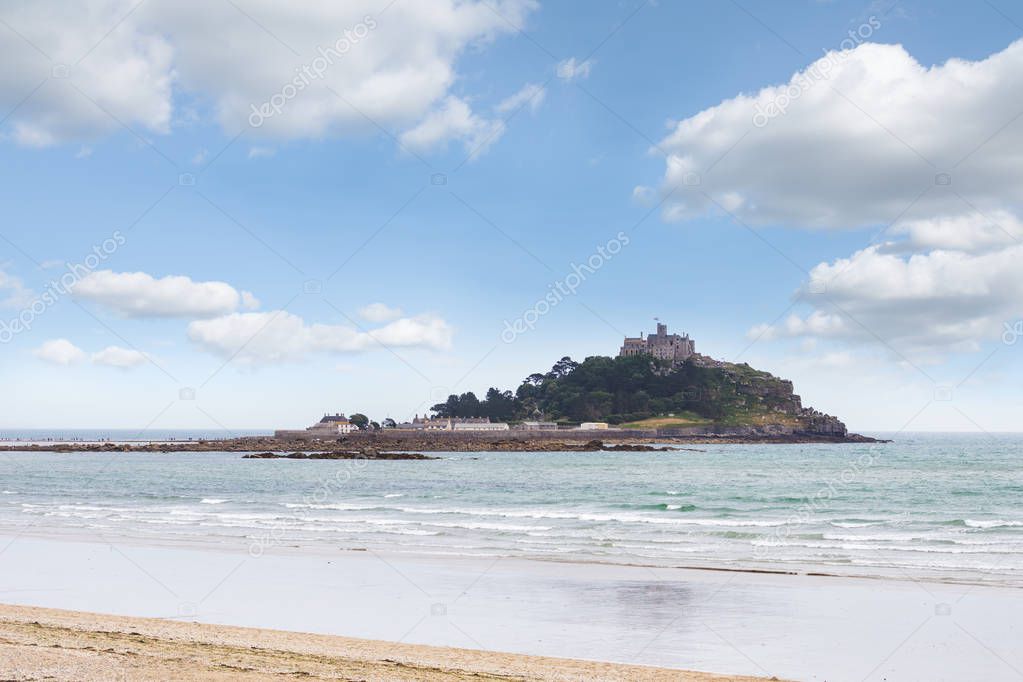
<point>38,643</point>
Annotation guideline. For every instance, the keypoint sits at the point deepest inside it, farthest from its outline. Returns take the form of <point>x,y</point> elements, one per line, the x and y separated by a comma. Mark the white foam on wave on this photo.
<point>336,506</point>
<point>481,525</point>
<point>212,500</point>
<point>997,523</point>
<point>859,546</point>
<point>596,517</point>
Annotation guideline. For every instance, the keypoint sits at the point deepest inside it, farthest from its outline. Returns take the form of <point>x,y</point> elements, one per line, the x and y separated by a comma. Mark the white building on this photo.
<point>480,426</point>
<point>334,423</point>
<point>539,426</point>
<point>426,424</point>
<point>593,426</point>
<point>331,426</point>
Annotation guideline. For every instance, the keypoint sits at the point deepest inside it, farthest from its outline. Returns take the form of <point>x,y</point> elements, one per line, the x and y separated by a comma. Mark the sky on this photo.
<point>244,214</point>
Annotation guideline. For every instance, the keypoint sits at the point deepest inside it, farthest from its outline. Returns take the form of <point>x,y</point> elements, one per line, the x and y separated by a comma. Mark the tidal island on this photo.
<point>657,389</point>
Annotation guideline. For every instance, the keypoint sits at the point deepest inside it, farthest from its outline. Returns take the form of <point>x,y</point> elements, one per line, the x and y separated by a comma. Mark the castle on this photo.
<point>671,347</point>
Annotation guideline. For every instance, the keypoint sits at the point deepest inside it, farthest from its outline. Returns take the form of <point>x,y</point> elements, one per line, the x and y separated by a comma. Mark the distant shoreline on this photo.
<point>377,442</point>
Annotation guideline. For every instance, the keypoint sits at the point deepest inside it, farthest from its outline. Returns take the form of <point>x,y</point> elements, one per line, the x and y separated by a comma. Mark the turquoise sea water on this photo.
<point>938,506</point>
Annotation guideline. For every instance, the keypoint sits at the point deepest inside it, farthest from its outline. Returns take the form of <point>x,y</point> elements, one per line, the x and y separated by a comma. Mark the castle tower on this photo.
<point>674,348</point>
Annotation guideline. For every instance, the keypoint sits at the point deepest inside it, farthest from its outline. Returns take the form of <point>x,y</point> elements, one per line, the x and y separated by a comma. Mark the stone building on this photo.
<point>331,426</point>
<point>674,348</point>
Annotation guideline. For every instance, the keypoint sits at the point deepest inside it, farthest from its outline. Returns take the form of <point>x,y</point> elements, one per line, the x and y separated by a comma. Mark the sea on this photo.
<point>945,507</point>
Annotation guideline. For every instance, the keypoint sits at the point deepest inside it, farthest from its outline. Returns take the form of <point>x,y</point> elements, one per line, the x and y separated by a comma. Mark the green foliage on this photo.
<point>360,420</point>
<point>623,390</point>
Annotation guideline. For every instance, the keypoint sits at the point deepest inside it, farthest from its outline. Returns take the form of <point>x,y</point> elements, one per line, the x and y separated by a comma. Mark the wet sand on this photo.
<point>38,643</point>
<point>833,629</point>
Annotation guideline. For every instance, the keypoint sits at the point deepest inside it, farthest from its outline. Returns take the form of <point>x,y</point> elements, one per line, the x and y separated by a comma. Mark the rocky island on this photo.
<point>657,389</point>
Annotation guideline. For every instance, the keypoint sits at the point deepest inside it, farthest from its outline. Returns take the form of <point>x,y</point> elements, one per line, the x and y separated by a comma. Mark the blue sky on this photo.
<point>456,204</point>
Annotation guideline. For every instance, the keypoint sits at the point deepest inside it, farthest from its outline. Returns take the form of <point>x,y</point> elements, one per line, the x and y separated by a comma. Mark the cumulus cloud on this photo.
<point>571,69</point>
<point>261,152</point>
<point>59,352</point>
<point>971,233</point>
<point>139,294</point>
<point>128,76</point>
<point>379,312</point>
<point>932,301</point>
<point>13,292</point>
<point>453,120</point>
<point>122,358</point>
<point>531,95</point>
<point>279,336</point>
<point>63,352</point>
<point>335,64</point>
<point>863,137</point>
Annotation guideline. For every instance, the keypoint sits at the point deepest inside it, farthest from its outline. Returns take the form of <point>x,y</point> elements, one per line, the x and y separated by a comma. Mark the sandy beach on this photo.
<point>39,643</point>
<point>205,607</point>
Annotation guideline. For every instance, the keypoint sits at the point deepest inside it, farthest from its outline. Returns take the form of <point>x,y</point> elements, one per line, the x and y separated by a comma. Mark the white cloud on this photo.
<point>279,336</point>
<point>645,196</point>
<point>453,120</point>
<point>139,294</point>
<point>261,152</point>
<point>59,352</point>
<point>13,292</point>
<point>128,76</point>
<point>862,138</point>
<point>531,95</point>
<point>122,358</point>
<point>856,143</point>
<point>941,300</point>
<point>379,312</point>
<point>249,301</point>
<point>391,67</point>
<point>570,69</point>
<point>973,233</point>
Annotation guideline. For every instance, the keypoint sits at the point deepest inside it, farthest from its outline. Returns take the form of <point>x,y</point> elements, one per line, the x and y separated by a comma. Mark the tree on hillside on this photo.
<point>468,405</point>
<point>563,367</point>
<point>360,420</point>
<point>624,389</point>
<point>499,405</point>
